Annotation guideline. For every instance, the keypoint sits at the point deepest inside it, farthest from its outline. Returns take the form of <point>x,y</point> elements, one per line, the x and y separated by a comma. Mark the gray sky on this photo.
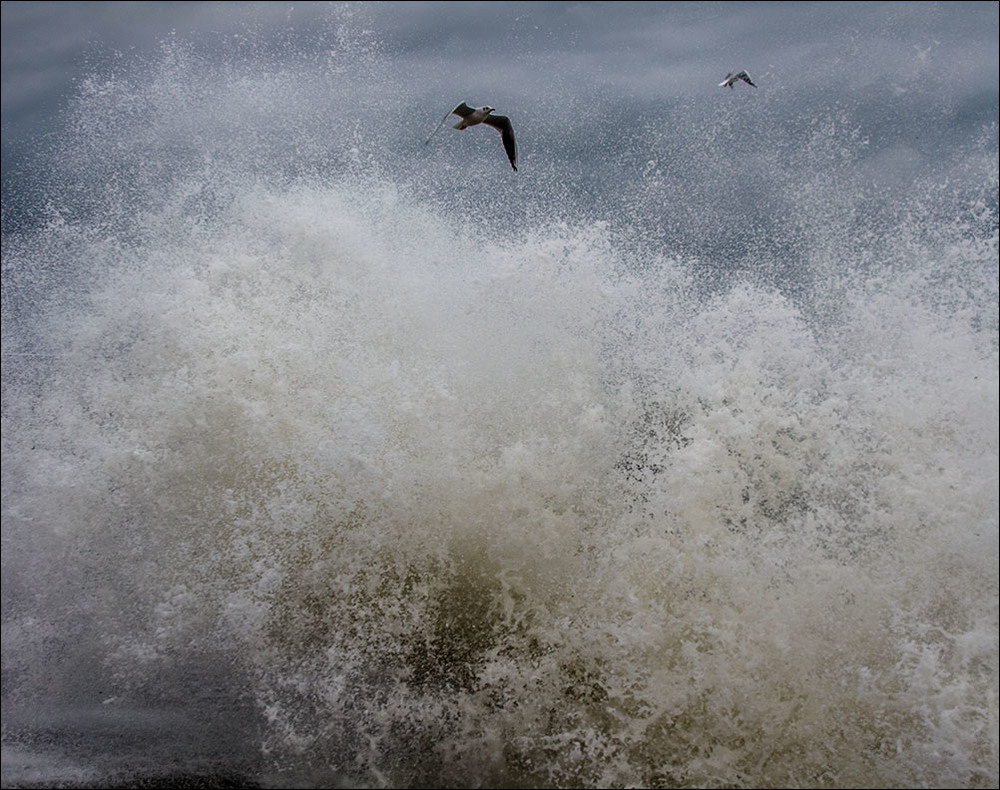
<point>648,50</point>
<point>581,80</point>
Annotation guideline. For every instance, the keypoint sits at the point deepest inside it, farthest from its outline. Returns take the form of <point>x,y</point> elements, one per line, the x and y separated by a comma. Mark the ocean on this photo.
<point>335,458</point>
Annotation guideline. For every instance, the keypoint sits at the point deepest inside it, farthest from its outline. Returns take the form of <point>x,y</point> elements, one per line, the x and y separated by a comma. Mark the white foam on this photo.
<point>545,506</point>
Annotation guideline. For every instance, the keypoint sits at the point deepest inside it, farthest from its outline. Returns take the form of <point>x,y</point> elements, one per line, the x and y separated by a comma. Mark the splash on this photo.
<point>308,451</point>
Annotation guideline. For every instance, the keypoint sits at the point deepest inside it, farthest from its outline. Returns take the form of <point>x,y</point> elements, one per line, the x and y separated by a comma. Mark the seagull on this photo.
<point>472,116</point>
<point>731,78</point>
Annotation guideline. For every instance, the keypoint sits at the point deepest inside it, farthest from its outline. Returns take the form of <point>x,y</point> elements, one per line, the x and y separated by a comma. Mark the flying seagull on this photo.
<point>472,116</point>
<point>731,78</point>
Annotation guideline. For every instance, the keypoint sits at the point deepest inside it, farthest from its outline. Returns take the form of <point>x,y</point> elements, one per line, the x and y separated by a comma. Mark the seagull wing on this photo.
<point>463,109</point>
<point>746,78</point>
<point>728,81</point>
<point>502,122</point>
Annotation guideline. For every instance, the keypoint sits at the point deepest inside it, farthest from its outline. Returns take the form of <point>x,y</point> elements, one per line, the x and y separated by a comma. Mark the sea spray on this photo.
<point>361,479</point>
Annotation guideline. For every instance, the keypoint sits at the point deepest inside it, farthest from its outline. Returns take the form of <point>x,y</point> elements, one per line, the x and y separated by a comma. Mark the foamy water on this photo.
<point>320,468</point>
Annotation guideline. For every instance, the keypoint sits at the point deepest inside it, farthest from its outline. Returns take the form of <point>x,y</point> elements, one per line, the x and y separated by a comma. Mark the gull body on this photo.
<point>473,116</point>
<point>731,78</point>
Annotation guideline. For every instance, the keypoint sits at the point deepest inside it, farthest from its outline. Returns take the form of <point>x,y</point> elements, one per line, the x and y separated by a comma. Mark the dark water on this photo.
<point>670,460</point>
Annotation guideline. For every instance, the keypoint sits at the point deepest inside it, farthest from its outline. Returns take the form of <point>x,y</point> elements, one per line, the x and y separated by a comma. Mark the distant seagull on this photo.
<point>472,117</point>
<point>731,78</point>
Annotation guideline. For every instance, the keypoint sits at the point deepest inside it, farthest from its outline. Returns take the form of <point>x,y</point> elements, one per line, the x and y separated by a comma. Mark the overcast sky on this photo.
<point>918,79</point>
<point>644,49</point>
